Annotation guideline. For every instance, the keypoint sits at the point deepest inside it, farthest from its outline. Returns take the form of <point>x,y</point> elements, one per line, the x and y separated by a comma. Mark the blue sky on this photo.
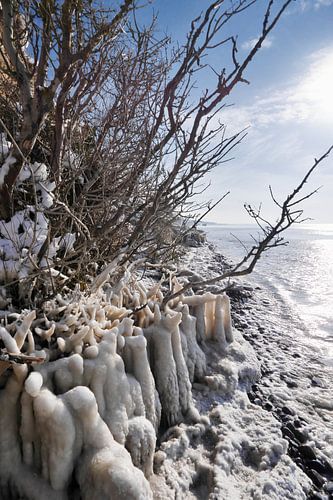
<point>288,107</point>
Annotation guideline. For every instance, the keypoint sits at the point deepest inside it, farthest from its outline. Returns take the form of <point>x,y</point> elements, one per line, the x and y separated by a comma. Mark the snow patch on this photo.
<point>9,161</point>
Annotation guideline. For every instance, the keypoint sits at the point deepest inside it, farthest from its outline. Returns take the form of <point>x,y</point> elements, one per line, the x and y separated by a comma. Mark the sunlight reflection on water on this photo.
<point>300,274</point>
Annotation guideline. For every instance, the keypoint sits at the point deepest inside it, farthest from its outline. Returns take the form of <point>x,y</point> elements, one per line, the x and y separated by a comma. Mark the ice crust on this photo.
<point>240,454</point>
<point>111,383</point>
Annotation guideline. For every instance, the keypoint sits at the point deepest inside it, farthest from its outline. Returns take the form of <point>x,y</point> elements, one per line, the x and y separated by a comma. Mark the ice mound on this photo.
<point>103,376</point>
<point>238,452</point>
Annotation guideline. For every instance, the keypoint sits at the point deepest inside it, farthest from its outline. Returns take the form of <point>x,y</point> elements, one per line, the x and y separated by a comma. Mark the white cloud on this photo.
<point>249,44</point>
<point>307,99</point>
<point>289,126</point>
<point>322,3</point>
<point>315,4</point>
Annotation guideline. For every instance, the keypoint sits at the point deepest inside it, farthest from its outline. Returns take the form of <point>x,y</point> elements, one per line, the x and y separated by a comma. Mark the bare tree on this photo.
<point>155,138</point>
<point>116,116</point>
<point>62,38</point>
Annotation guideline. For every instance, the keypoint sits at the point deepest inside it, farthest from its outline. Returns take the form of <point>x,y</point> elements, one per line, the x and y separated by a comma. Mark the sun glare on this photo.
<point>315,90</point>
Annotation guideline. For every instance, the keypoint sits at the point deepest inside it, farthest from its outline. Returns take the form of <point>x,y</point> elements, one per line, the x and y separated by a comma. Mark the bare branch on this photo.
<point>271,238</point>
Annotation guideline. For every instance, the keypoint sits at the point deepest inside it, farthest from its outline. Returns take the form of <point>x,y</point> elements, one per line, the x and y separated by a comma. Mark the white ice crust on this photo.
<point>112,382</point>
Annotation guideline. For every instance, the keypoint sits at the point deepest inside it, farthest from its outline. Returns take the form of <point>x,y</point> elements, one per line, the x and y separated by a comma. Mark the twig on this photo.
<point>19,358</point>
<point>271,235</point>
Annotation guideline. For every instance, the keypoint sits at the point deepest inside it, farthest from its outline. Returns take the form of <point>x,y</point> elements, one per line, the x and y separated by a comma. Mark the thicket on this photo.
<point>106,138</point>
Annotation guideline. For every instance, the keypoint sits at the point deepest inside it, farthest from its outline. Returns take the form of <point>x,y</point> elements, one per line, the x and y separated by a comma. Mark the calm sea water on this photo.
<point>299,274</point>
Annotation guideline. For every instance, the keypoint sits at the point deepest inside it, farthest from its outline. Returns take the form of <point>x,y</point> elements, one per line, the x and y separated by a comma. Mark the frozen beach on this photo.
<point>241,452</point>
<point>284,311</point>
<point>241,412</point>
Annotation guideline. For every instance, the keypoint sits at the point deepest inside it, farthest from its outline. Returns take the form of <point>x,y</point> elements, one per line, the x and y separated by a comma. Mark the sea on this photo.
<point>298,274</point>
<point>289,321</point>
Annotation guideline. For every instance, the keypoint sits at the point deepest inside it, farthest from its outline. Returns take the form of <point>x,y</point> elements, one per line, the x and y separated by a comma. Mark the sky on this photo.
<point>288,108</point>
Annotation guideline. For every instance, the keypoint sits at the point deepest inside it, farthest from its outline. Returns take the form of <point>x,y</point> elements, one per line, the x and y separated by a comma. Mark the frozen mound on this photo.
<point>237,451</point>
<point>90,382</point>
<point>240,455</point>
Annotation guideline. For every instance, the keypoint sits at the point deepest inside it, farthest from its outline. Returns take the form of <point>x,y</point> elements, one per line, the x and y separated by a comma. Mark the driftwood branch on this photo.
<point>8,359</point>
<point>19,358</point>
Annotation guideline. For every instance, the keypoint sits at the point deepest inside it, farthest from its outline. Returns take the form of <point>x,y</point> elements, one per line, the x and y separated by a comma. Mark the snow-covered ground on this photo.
<point>251,434</point>
<point>239,452</point>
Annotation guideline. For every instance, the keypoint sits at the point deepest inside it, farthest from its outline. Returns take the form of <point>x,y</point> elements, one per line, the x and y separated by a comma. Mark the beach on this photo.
<point>242,451</point>
<point>295,376</point>
<point>199,403</point>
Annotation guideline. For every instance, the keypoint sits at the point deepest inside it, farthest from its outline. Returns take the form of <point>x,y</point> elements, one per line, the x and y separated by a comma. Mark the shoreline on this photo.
<point>213,442</point>
<point>246,302</point>
<point>242,451</point>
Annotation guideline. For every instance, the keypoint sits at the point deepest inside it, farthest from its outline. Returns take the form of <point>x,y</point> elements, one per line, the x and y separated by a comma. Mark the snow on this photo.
<point>36,171</point>
<point>10,160</point>
<point>22,237</point>
<point>39,171</point>
<point>45,192</point>
<point>97,410</point>
<point>4,146</point>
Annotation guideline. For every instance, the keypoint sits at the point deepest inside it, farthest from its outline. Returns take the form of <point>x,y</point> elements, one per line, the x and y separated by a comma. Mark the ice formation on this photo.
<point>86,420</point>
<point>130,398</point>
